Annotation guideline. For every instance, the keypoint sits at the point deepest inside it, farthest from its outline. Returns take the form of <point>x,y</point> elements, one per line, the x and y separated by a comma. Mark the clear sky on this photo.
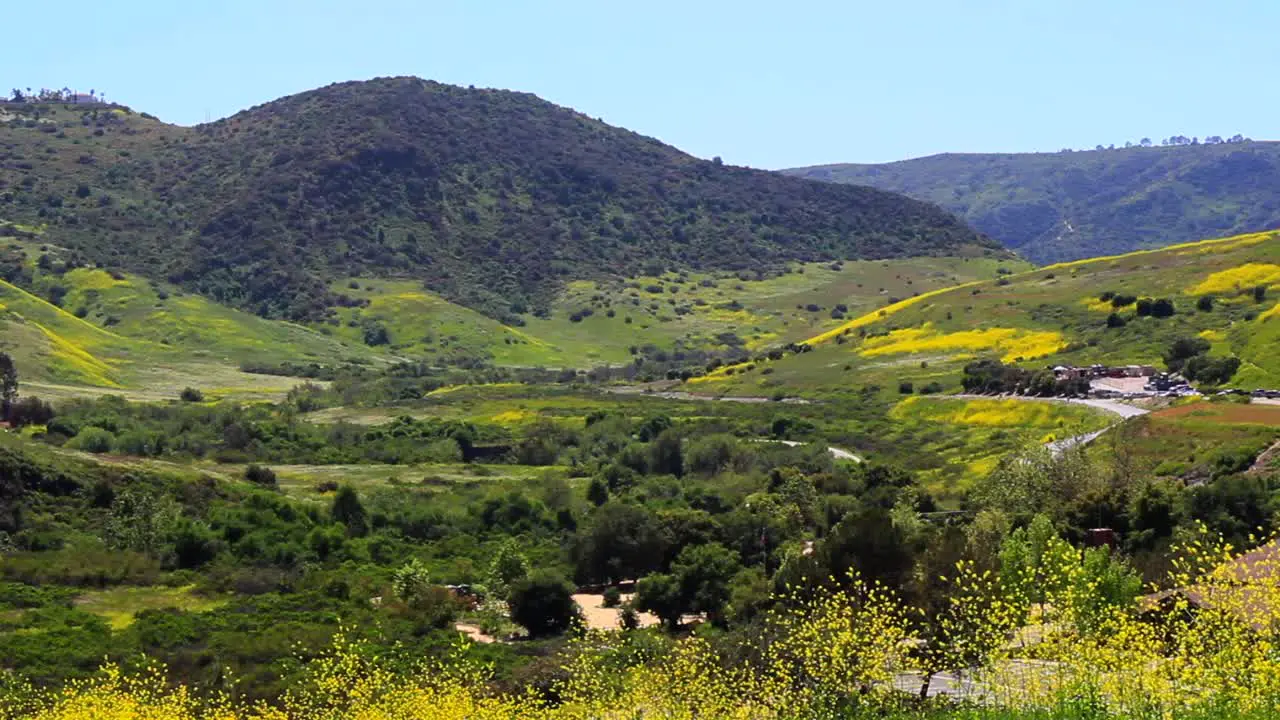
<point>769,84</point>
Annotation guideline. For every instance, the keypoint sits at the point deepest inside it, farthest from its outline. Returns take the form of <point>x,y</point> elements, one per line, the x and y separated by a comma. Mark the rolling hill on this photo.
<point>119,331</point>
<point>1052,207</point>
<point>493,200</point>
<point>1225,291</point>
<point>129,327</point>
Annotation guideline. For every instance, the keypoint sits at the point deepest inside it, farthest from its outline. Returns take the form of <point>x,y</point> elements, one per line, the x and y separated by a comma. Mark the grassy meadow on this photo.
<point>949,441</point>
<point>600,322</point>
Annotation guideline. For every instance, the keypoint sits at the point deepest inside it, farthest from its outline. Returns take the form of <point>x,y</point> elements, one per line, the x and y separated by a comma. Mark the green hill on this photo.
<point>1051,207</point>
<point>132,326</point>
<point>122,331</point>
<point>494,200</point>
<point>1226,292</point>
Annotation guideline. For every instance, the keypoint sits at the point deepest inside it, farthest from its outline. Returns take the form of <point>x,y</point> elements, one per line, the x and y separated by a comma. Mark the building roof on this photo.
<point>1247,586</point>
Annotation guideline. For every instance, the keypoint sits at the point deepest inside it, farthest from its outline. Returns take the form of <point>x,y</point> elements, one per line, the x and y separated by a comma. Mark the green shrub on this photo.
<point>259,475</point>
<point>93,439</point>
<point>543,604</point>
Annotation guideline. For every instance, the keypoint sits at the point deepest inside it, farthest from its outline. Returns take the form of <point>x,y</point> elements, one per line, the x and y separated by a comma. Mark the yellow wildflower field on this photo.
<point>986,412</point>
<point>1014,343</point>
<point>1240,278</point>
<point>1274,312</point>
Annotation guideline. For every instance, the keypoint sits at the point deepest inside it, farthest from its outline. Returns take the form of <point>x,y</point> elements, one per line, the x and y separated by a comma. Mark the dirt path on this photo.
<point>837,453</point>
<point>599,617</point>
<point>1267,460</point>
<point>682,395</point>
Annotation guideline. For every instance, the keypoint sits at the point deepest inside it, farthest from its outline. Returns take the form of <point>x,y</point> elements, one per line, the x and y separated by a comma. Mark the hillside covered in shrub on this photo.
<point>493,199</point>
<point>1051,207</point>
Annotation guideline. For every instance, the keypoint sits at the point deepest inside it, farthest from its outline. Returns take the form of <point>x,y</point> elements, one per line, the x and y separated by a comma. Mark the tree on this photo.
<point>622,542</point>
<point>1213,371</point>
<point>1037,480</point>
<point>194,545</point>
<point>660,594</point>
<point>348,510</point>
<point>8,383</point>
<point>865,544</point>
<point>1031,560</point>
<point>411,581</point>
<point>666,454</point>
<point>704,573</point>
<point>508,567</point>
<point>1182,350</point>
<point>543,604</point>
<point>140,520</point>
<point>29,411</point>
<point>699,582</point>
<point>191,394</point>
<point>1205,303</point>
<point>1104,581</point>
<point>598,492</point>
<point>376,334</point>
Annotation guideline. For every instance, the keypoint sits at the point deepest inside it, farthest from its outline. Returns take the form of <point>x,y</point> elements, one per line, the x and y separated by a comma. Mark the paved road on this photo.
<point>1124,410</point>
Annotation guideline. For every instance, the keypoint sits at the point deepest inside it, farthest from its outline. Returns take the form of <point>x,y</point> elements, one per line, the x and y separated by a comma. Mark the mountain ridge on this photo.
<point>1069,205</point>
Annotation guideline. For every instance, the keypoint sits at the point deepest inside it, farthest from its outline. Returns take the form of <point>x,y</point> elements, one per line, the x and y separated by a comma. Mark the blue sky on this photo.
<point>768,84</point>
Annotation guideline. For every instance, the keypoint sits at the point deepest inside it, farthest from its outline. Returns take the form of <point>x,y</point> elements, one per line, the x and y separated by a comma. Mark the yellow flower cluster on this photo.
<point>1272,313</point>
<point>1014,343</point>
<point>1236,279</point>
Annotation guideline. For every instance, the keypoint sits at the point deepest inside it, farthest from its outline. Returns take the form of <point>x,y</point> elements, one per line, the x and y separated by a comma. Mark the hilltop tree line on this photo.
<point>51,95</point>
<point>1175,141</point>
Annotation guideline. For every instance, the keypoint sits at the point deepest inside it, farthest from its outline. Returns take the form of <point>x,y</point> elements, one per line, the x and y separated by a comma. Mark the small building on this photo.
<point>84,99</point>
<point>1066,372</point>
<point>1097,537</point>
